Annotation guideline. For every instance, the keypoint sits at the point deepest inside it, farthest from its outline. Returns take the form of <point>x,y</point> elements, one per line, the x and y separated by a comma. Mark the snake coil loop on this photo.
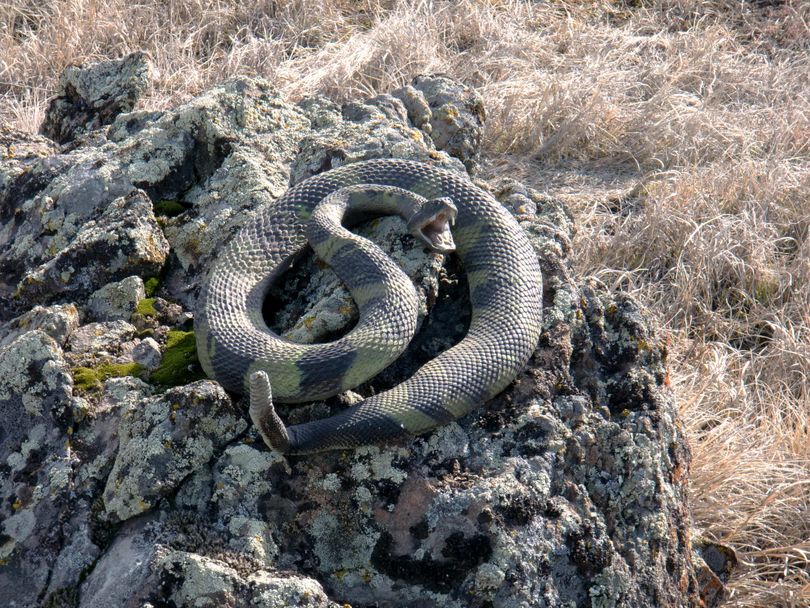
<point>237,348</point>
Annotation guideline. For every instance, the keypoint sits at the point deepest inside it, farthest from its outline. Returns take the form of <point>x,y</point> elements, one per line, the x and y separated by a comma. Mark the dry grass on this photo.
<point>678,131</point>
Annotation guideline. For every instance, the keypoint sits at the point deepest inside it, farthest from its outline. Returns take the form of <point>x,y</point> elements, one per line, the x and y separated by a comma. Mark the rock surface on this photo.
<point>117,489</point>
<point>92,96</point>
<point>118,300</point>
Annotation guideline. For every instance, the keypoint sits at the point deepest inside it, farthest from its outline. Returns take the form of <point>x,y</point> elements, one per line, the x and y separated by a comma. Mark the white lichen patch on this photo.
<point>448,441</point>
<point>272,591</point>
<point>331,482</point>
<point>18,359</point>
<point>253,537</point>
<point>163,440</point>
<point>18,527</point>
<point>58,321</point>
<point>241,477</point>
<point>104,337</point>
<point>204,582</point>
<point>117,300</point>
<point>488,577</point>
<point>335,549</point>
<point>447,507</point>
<point>609,589</point>
<point>98,431</point>
<point>59,476</point>
<point>376,463</point>
<point>34,441</point>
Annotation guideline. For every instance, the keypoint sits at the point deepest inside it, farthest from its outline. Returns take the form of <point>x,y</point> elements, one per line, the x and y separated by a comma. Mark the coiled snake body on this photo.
<point>236,347</point>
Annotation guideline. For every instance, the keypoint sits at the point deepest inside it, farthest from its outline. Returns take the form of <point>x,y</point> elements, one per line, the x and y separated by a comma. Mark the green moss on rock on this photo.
<point>91,378</point>
<point>146,307</point>
<point>180,364</point>
<point>150,286</point>
<point>169,208</point>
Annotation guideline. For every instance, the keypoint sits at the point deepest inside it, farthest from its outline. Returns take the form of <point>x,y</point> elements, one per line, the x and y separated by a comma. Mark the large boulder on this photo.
<point>117,488</point>
<point>92,96</point>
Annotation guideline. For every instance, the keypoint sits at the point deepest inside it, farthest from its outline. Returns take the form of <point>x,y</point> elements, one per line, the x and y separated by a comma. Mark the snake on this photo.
<point>447,213</point>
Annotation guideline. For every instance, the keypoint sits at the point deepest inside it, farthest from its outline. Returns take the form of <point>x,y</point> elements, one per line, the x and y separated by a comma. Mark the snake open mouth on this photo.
<point>436,234</point>
<point>434,228</point>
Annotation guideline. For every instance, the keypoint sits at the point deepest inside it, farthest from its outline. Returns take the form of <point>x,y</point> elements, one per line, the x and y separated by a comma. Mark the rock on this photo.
<point>116,301</point>
<point>569,488</point>
<point>279,591</point>
<point>92,96</point>
<point>77,555</point>
<point>124,576</point>
<point>316,305</point>
<point>175,433</point>
<point>35,398</point>
<point>451,113</point>
<point>714,563</point>
<point>194,580</point>
<point>32,373</point>
<point>151,313</point>
<point>360,132</point>
<point>125,240</point>
<point>57,321</point>
<point>99,351</point>
<point>95,435</point>
<point>147,354</point>
<point>18,153</point>
<point>100,339</point>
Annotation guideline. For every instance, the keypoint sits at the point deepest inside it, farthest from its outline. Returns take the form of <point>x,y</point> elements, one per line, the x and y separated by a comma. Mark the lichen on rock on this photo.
<point>194,580</point>
<point>92,96</point>
<point>35,484</point>
<point>58,321</point>
<point>163,439</point>
<point>124,240</point>
<point>117,300</point>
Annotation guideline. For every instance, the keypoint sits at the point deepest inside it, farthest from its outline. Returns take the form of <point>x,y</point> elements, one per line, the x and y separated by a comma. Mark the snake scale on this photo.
<point>236,347</point>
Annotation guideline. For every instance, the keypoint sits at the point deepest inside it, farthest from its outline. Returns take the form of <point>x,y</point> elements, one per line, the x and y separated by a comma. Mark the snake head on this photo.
<point>431,224</point>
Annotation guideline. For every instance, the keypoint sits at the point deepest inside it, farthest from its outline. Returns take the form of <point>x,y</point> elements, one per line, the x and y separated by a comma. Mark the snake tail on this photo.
<point>264,415</point>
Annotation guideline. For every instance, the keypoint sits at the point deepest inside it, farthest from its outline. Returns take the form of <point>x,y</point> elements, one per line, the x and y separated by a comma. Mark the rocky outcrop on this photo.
<point>127,480</point>
<point>91,97</point>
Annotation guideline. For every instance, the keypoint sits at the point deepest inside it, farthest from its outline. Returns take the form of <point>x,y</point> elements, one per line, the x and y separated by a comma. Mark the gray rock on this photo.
<point>116,301</point>
<point>176,433</point>
<point>361,132</point>
<point>55,197</point>
<point>96,430</point>
<point>450,112</point>
<point>125,240</point>
<point>195,580</point>
<point>147,353</point>
<point>92,96</point>
<point>77,555</point>
<point>35,398</point>
<point>381,108</point>
<point>280,591</point>
<point>18,152</point>
<point>125,575</point>
<point>100,339</point>
<point>58,321</point>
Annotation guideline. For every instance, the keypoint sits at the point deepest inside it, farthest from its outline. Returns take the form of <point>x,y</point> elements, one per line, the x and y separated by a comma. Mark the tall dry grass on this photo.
<point>677,130</point>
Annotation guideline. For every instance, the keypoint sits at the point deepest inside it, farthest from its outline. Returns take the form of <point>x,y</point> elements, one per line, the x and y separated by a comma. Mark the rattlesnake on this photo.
<point>236,347</point>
